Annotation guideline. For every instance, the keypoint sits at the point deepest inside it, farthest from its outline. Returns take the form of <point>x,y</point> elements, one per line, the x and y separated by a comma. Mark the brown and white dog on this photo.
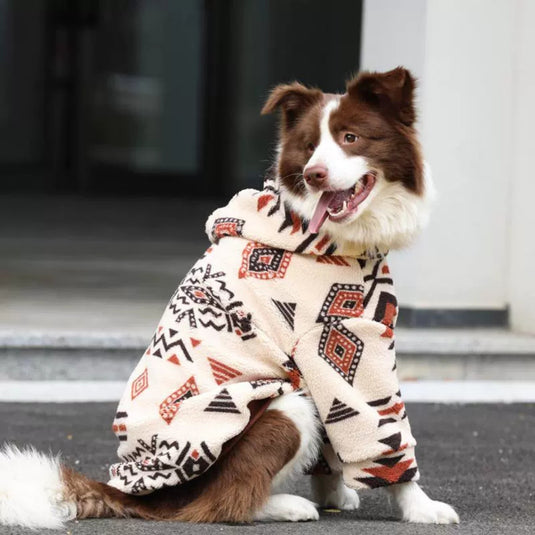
<point>348,163</point>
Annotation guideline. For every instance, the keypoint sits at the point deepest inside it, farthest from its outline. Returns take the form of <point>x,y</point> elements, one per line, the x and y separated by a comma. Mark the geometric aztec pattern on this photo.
<point>203,299</point>
<point>262,262</point>
<point>393,442</point>
<point>339,411</point>
<point>222,372</point>
<point>165,342</point>
<point>394,466</point>
<point>386,308</point>
<point>140,384</point>
<point>223,403</point>
<point>162,460</point>
<point>333,260</point>
<point>341,349</point>
<point>386,311</point>
<point>119,426</point>
<point>391,470</point>
<point>170,405</point>
<point>196,463</point>
<point>287,311</point>
<point>226,226</point>
<point>342,301</point>
<point>390,409</point>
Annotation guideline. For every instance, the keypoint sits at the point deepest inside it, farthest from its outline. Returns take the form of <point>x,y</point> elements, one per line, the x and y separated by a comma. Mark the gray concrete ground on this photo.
<point>479,458</point>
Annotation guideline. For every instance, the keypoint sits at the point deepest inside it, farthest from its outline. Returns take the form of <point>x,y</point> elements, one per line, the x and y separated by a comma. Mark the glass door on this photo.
<point>144,96</point>
<point>23,159</point>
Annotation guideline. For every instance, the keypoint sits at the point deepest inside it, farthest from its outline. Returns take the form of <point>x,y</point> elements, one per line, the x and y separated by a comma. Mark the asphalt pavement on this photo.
<point>479,458</point>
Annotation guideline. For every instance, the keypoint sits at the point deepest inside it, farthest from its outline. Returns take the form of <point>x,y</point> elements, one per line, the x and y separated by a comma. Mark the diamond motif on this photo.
<point>341,349</point>
<point>262,262</point>
<point>140,384</point>
<point>343,301</point>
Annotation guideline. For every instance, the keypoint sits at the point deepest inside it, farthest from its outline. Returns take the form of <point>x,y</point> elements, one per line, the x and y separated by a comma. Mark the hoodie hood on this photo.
<point>262,216</point>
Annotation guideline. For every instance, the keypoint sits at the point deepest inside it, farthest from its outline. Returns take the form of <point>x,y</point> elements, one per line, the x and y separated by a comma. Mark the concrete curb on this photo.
<point>436,354</point>
<point>420,391</point>
<point>408,341</point>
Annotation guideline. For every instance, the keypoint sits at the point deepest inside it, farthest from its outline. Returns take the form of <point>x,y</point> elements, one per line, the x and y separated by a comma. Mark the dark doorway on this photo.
<point>157,96</point>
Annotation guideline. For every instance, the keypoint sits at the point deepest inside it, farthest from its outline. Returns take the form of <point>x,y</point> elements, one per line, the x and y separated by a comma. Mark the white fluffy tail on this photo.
<point>32,490</point>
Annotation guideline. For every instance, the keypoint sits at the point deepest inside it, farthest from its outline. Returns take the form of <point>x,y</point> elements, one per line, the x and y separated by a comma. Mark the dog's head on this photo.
<point>351,163</point>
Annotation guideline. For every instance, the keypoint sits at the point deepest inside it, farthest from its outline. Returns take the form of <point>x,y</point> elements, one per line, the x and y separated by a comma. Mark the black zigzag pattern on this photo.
<point>223,288</point>
<point>198,301</point>
<point>168,345</point>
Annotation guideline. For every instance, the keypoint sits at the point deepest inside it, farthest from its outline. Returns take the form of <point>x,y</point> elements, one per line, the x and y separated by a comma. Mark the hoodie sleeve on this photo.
<point>349,367</point>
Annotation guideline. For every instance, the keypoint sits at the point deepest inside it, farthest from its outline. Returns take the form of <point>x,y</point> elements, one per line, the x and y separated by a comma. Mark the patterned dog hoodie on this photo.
<point>269,309</point>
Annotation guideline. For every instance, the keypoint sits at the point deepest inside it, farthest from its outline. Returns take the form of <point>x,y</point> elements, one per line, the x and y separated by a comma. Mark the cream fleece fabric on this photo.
<point>270,308</point>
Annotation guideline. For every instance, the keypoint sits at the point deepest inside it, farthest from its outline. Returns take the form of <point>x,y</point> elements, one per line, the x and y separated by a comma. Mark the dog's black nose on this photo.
<point>316,175</point>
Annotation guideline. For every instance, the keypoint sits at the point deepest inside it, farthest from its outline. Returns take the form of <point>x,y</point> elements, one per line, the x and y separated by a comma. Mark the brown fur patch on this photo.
<point>378,108</point>
<point>296,148</point>
<point>299,129</point>
<point>231,491</point>
<point>95,499</point>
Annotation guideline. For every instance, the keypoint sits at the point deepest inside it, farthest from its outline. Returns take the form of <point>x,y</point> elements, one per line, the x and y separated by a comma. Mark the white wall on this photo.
<point>467,55</point>
<point>522,230</point>
<point>393,33</point>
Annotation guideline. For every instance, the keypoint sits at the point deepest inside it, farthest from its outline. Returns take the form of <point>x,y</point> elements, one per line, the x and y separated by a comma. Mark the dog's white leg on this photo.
<point>287,507</point>
<point>302,412</point>
<point>416,506</point>
<point>330,491</point>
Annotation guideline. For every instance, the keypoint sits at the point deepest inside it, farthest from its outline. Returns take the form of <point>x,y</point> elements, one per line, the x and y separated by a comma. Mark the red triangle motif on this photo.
<point>195,342</point>
<point>390,474</point>
<point>174,359</point>
<point>263,200</point>
<point>221,372</point>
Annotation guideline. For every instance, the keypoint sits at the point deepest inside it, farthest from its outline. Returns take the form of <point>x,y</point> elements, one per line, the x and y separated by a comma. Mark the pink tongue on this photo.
<point>320,213</point>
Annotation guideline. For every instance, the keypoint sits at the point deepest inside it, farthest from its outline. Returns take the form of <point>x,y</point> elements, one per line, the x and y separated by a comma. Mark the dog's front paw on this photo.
<point>287,508</point>
<point>432,512</point>
<point>330,491</point>
<point>416,506</point>
<point>344,498</point>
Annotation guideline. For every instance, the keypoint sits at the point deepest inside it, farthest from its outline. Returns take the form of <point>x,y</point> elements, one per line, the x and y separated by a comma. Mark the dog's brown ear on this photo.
<point>392,92</point>
<point>292,100</point>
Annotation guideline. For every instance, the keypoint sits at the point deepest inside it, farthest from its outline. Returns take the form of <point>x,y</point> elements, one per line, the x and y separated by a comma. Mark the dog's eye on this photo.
<point>350,138</point>
<point>311,147</point>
